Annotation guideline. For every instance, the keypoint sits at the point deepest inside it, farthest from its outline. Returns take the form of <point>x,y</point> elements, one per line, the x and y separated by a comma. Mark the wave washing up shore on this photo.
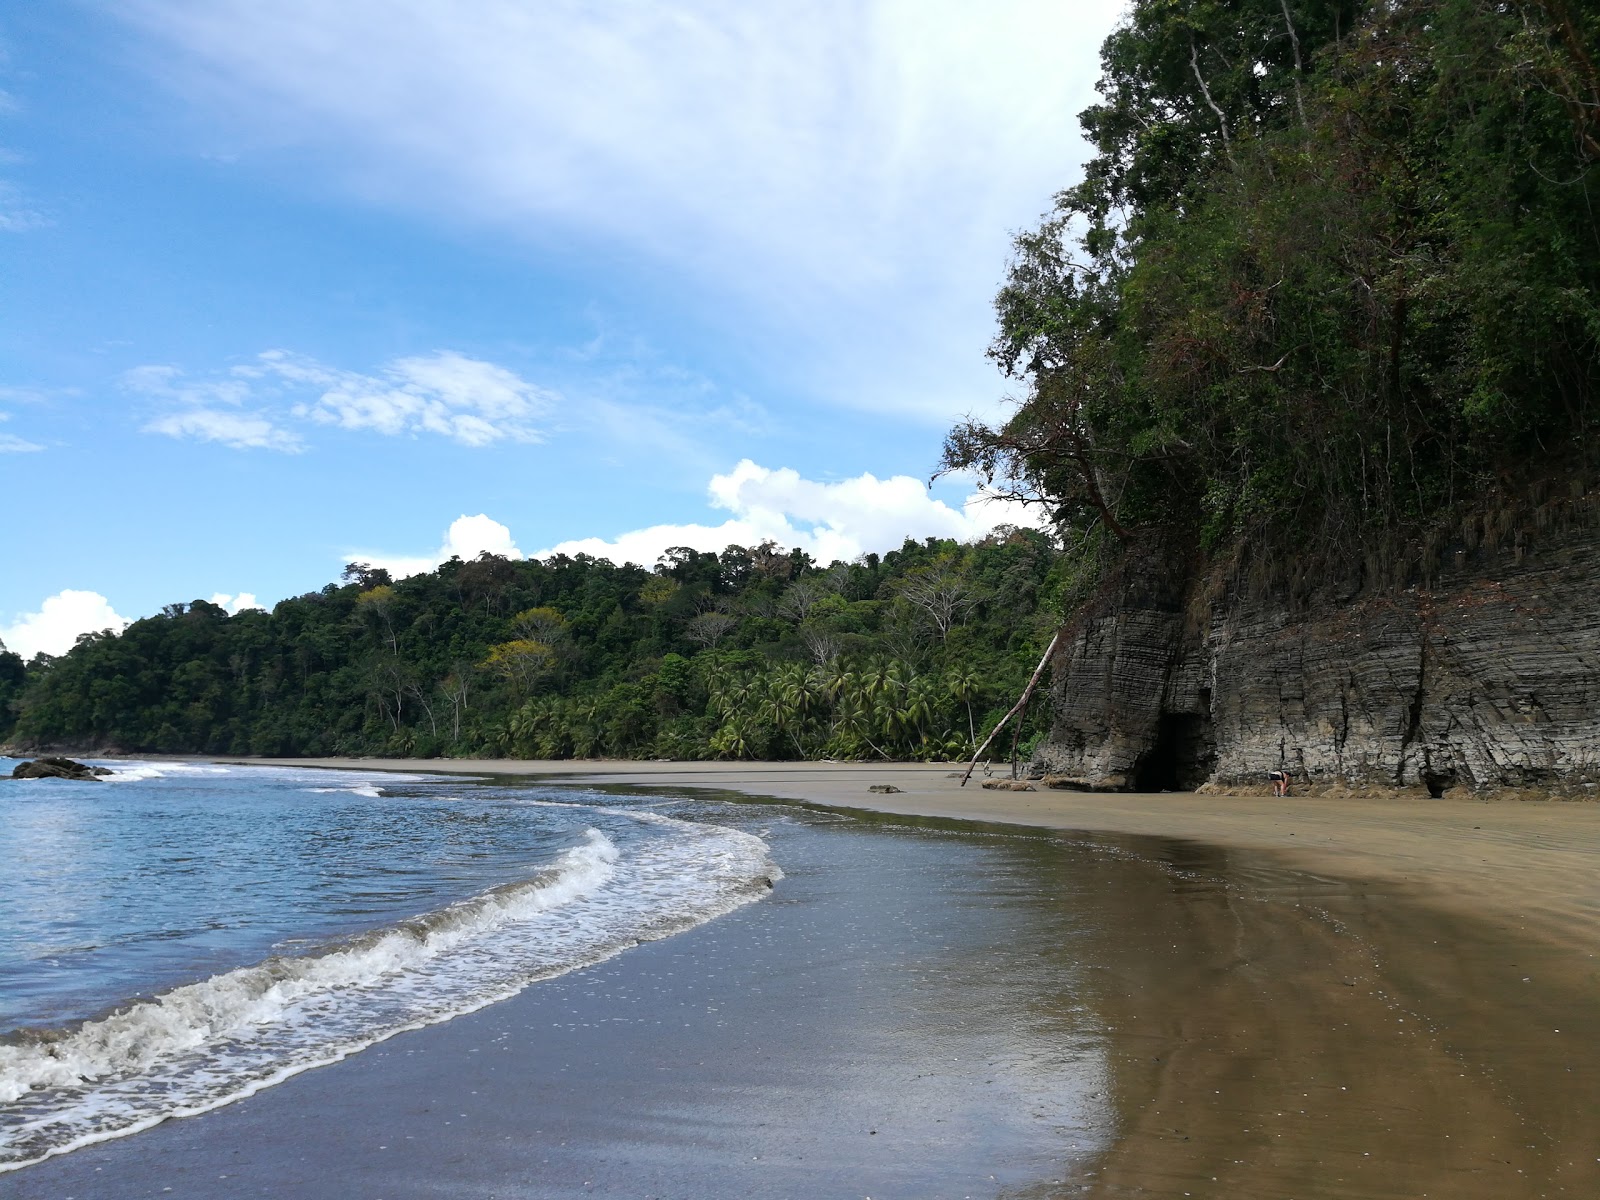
<point>368,913</point>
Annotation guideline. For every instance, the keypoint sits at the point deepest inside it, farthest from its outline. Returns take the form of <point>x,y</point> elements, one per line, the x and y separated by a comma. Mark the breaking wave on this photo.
<point>208,1043</point>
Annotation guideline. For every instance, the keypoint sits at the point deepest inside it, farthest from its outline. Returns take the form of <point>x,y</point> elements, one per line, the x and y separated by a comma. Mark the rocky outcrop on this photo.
<point>1487,678</point>
<point>55,767</point>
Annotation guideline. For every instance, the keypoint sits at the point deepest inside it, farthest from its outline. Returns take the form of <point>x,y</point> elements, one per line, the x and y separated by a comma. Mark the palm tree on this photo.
<point>919,705</point>
<point>964,684</point>
<point>792,684</point>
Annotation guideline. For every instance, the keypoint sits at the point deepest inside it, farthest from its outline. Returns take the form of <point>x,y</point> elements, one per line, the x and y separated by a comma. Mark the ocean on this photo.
<point>182,935</point>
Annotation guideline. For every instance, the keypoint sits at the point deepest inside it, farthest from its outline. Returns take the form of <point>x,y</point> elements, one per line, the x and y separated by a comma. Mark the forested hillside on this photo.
<point>1327,300</point>
<point>743,654</point>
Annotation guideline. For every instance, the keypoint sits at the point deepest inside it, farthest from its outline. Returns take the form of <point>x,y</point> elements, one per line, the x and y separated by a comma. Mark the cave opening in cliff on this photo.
<point>1181,757</point>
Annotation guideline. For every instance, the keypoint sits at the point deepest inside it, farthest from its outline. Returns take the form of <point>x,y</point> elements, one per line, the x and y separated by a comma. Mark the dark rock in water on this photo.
<point>883,788</point>
<point>55,767</point>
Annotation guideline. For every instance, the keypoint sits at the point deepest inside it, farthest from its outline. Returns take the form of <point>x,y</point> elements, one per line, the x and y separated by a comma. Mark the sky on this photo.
<point>286,286</point>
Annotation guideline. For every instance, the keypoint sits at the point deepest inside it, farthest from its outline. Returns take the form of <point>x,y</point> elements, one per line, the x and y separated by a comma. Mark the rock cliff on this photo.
<point>1488,677</point>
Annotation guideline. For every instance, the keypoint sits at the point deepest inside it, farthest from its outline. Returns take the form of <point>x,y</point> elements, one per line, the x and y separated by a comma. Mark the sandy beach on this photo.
<point>1169,995</point>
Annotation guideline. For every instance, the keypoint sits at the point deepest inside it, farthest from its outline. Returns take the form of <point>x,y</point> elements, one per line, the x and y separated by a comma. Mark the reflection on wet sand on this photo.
<point>1269,1033</point>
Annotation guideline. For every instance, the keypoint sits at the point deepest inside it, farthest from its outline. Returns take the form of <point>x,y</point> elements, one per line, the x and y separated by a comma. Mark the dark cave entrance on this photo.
<point>1181,757</point>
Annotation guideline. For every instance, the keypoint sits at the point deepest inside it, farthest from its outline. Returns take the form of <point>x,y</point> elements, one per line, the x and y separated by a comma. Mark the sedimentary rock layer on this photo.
<point>1490,677</point>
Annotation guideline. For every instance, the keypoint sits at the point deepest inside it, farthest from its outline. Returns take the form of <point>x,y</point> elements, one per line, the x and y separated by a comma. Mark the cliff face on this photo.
<point>1488,678</point>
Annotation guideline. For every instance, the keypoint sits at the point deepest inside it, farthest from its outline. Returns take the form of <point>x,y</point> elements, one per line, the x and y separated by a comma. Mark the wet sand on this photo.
<point>1207,996</point>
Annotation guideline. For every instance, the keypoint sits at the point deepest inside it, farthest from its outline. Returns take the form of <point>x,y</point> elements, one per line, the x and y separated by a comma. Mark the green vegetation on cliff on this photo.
<point>744,654</point>
<point>1331,281</point>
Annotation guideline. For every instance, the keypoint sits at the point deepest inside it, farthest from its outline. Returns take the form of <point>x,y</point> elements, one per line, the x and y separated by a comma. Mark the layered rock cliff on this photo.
<point>1488,677</point>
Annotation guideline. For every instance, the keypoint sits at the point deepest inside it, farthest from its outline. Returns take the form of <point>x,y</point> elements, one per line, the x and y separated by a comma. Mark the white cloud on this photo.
<point>830,521</point>
<point>31,395</point>
<point>207,410</point>
<point>170,383</point>
<point>242,431</point>
<point>445,393</point>
<point>10,443</point>
<point>59,621</point>
<point>15,217</point>
<point>467,400</point>
<point>853,166</point>
<point>236,604</point>
<point>466,538</point>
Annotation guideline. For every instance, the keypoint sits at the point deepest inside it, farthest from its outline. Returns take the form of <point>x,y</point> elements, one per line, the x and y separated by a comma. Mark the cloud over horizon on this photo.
<point>829,521</point>
<point>236,604</point>
<point>59,622</point>
<point>466,538</point>
<point>843,519</point>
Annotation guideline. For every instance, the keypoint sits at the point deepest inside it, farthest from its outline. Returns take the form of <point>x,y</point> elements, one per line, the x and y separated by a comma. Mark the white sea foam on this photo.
<point>209,1043</point>
<point>133,774</point>
<point>370,790</point>
<point>132,771</point>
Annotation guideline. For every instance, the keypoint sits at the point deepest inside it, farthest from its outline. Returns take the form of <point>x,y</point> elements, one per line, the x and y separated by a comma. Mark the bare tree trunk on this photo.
<point>1299,67</point>
<point>1222,120</point>
<point>1027,694</point>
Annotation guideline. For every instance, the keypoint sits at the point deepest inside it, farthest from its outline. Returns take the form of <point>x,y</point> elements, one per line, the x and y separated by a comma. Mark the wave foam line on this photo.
<point>370,790</point>
<point>210,1043</point>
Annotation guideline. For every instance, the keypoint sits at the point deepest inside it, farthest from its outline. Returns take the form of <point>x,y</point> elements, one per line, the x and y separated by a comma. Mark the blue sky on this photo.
<point>290,284</point>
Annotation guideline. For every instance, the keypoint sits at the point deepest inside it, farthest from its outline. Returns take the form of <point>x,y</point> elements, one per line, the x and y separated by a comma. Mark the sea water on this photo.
<point>182,935</point>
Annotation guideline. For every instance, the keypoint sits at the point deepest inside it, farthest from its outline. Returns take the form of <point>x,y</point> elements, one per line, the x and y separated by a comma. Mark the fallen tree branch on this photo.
<point>1027,694</point>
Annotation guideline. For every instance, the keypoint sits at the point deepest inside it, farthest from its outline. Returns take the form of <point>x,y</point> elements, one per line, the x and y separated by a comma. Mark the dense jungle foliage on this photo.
<point>744,654</point>
<point>1330,285</point>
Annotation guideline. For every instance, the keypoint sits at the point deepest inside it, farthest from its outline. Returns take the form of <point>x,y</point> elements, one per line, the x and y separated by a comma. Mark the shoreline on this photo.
<point>1246,1017</point>
<point>1528,867</point>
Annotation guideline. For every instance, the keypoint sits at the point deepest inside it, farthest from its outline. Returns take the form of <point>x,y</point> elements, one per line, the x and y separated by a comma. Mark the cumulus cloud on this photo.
<point>447,394</point>
<point>466,538</point>
<point>853,166</point>
<point>59,621</point>
<point>840,520</point>
<point>236,604</point>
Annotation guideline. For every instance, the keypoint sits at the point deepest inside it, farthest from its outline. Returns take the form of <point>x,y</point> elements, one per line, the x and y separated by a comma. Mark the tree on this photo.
<point>1331,276</point>
<point>941,591</point>
<point>365,575</point>
<point>800,597</point>
<point>709,628</point>
<point>377,603</point>
<point>964,684</point>
<point>521,661</point>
